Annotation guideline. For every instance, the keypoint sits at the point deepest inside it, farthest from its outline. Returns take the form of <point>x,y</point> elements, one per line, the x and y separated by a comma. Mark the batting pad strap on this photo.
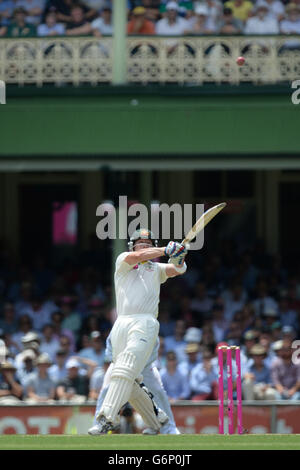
<point>180,269</point>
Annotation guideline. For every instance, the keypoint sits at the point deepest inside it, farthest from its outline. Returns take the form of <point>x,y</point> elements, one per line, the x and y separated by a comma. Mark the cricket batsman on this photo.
<point>152,381</point>
<point>137,285</point>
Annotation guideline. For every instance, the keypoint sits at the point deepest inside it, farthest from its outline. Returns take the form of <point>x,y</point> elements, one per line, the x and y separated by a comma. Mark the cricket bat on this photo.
<point>202,222</point>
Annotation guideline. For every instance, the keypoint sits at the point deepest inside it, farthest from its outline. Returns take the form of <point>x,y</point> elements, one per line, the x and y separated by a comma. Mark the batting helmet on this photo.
<point>141,234</point>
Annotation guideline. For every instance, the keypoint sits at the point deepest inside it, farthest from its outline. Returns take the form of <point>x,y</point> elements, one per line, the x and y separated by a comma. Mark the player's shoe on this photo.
<point>166,429</point>
<point>95,430</point>
<point>102,427</point>
<point>169,428</point>
<point>150,431</point>
<point>162,418</point>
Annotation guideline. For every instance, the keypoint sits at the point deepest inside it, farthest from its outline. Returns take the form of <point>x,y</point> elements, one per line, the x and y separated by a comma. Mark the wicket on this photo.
<point>230,402</point>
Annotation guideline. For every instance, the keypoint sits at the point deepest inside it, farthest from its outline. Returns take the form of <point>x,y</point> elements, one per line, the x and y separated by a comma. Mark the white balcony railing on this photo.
<point>184,60</point>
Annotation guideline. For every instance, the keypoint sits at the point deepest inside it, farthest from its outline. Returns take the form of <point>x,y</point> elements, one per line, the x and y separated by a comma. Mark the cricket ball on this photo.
<point>240,60</point>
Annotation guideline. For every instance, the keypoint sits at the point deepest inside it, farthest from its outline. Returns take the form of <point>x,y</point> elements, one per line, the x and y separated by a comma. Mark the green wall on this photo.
<point>37,125</point>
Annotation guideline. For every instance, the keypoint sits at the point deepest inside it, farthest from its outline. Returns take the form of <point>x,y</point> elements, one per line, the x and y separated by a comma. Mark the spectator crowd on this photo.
<point>54,323</point>
<point>28,18</point>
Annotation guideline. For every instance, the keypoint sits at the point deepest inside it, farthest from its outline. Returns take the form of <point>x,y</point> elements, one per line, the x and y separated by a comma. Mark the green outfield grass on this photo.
<point>160,442</point>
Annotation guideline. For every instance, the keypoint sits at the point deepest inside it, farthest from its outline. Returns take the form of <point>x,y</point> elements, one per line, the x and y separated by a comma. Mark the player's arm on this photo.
<point>172,270</point>
<point>173,249</point>
<point>136,257</point>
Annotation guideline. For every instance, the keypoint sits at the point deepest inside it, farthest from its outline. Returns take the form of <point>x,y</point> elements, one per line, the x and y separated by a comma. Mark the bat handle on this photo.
<point>186,243</point>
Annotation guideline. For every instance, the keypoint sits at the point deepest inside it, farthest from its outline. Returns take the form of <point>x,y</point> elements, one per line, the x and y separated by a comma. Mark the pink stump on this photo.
<point>221,391</point>
<point>239,390</point>
<point>229,392</point>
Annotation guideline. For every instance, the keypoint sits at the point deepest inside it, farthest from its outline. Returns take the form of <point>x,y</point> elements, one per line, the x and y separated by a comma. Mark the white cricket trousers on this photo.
<point>136,334</point>
<point>132,338</point>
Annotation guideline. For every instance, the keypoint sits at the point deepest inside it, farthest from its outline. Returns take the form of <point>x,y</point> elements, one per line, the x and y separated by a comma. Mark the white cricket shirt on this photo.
<point>138,287</point>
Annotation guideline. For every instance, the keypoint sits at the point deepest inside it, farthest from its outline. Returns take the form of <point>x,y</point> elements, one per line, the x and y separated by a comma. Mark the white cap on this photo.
<point>30,336</point>
<point>193,335</point>
<point>172,6</point>
<point>72,362</point>
<point>277,345</point>
<point>27,354</point>
<point>44,358</point>
<point>262,5</point>
<point>201,10</point>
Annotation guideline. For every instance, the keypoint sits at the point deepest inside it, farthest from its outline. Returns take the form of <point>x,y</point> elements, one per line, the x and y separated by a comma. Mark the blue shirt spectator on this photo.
<point>261,375</point>
<point>51,27</point>
<point>34,9</point>
<point>6,11</point>
<point>257,383</point>
<point>58,371</point>
<point>175,383</point>
<point>176,341</point>
<point>96,351</point>
<point>286,375</point>
<point>40,387</point>
<point>186,367</point>
<point>103,24</point>
<point>287,316</point>
<point>96,382</point>
<point>258,369</point>
<point>49,341</point>
<point>39,311</point>
<point>204,378</point>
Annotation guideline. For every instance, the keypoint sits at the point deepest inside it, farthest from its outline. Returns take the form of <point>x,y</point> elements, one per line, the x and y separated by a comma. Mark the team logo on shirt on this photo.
<point>149,266</point>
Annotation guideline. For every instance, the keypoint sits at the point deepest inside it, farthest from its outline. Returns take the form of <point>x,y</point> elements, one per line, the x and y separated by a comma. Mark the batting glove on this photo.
<point>174,249</point>
<point>178,260</point>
